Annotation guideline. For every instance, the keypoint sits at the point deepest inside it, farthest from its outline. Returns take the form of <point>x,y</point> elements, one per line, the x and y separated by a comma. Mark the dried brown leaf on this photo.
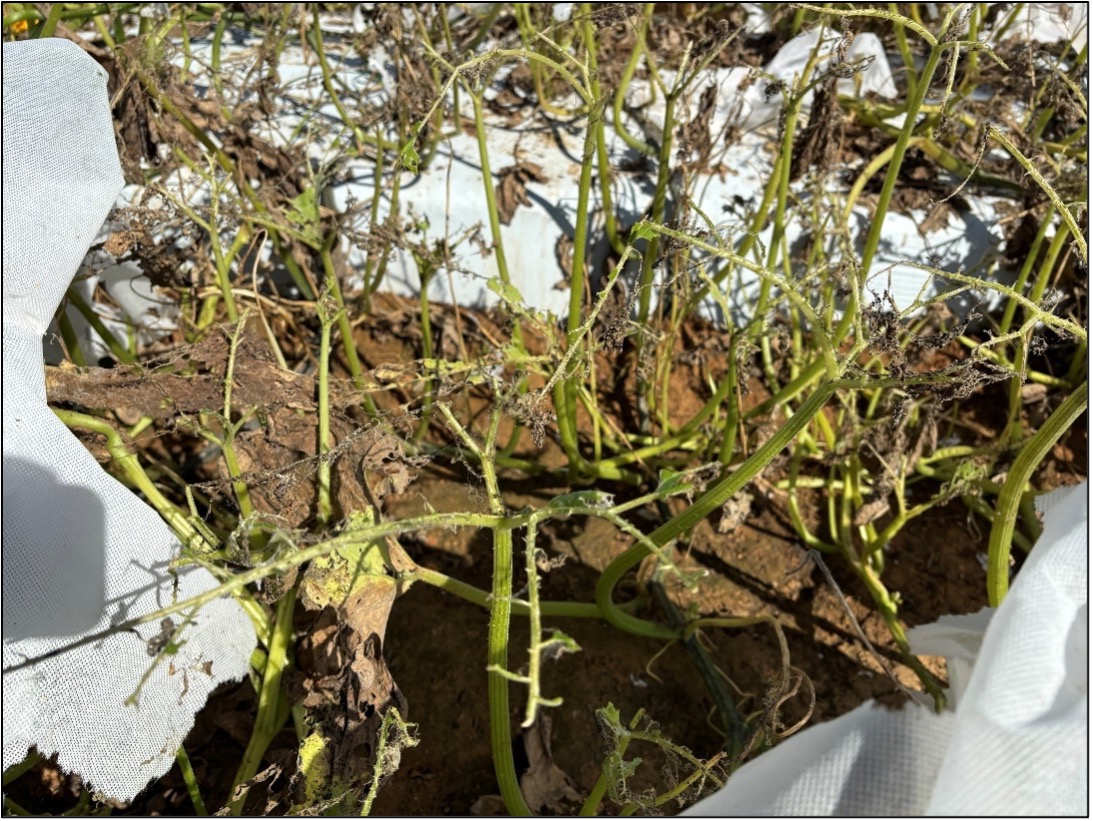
<point>511,189</point>
<point>546,787</point>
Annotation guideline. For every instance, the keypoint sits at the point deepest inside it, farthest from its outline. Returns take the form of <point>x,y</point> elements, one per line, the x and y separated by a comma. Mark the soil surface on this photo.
<point>745,561</point>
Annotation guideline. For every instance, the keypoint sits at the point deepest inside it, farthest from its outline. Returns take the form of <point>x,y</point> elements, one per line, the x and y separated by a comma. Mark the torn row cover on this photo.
<point>80,551</point>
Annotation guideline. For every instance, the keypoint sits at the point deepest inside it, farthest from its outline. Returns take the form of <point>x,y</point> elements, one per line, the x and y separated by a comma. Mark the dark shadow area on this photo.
<point>53,559</point>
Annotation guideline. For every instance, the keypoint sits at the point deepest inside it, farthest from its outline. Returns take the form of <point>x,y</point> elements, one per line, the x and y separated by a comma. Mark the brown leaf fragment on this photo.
<point>695,138</point>
<point>734,512</point>
<point>871,512</point>
<point>269,774</point>
<point>814,147</point>
<point>545,786</point>
<point>489,805</point>
<point>119,242</point>
<point>563,250</point>
<point>511,188</point>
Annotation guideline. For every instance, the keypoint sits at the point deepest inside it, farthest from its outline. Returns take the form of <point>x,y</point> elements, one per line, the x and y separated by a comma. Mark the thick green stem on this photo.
<point>487,185</point>
<point>732,414</point>
<point>580,237</point>
<point>1026,268</point>
<point>72,343</point>
<point>280,563</point>
<point>624,85</point>
<point>500,618</point>
<point>217,46</point>
<point>345,329</point>
<point>576,290</point>
<point>467,592</point>
<point>129,466</point>
<point>50,25</point>
<point>120,352</point>
<point>1008,505</point>
<point>231,461</point>
<point>603,166</point>
<point>724,490</point>
<point>359,136</point>
<point>876,227</point>
<point>1034,172</point>
<point>498,686</point>
<point>273,709</point>
<point>710,501</point>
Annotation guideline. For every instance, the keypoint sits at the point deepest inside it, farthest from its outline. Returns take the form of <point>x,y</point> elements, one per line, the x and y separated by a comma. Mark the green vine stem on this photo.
<point>599,789</point>
<point>500,616</point>
<point>783,166</point>
<point>624,84</point>
<point>273,708</point>
<point>190,780</point>
<point>129,466</point>
<point>1007,508</point>
<point>227,443</point>
<point>189,530</point>
<point>472,594</point>
<point>487,187</point>
<point>565,395</point>
<point>280,563</point>
<point>888,608</point>
<point>895,164</point>
<point>536,646</point>
<point>119,351</point>
<point>574,334</point>
<point>529,35</point>
<point>71,342</point>
<point>394,731</point>
<point>710,501</point>
<point>724,490</point>
<point>359,136</point>
<point>498,684</point>
<point>148,83</point>
<point>610,223</point>
<point>1056,200</point>
<point>660,198</point>
<point>50,25</point>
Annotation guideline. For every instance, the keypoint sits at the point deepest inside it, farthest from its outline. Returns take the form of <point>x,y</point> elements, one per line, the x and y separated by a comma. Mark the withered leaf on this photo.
<point>511,188</point>
<point>563,250</point>
<point>545,786</point>
<point>343,681</point>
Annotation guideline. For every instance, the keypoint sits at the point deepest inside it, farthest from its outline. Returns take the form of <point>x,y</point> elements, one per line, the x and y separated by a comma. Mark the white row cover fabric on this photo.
<point>80,551</point>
